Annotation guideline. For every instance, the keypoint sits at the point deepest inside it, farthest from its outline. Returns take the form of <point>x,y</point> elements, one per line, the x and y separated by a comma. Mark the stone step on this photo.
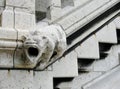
<point>89,49</point>
<point>98,68</point>
<point>66,66</point>
<point>79,80</point>
<point>107,34</point>
<point>43,80</point>
<point>109,80</point>
<point>103,64</point>
<point>87,52</point>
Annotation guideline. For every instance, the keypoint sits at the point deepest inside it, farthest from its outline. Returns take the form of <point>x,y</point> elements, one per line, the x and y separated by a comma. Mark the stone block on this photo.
<point>8,34</point>
<point>42,5</point>
<point>43,80</point>
<point>19,60</point>
<point>81,2</point>
<point>101,65</point>
<point>111,61</point>
<point>107,34</point>
<point>90,7</point>
<point>8,18</point>
<point>71,19</point>
<point>6,58</point>
<point>65,3</point>
<point>16,79</point>
<point>117,22</point>
<point>76,26</point>
<point>101,3</point>
<point>84,78</point>
<point>28,4</point>
<point>56,3</point>
<point>93,5</point>
<point>66,66</point>
<point>24,20</point>
<point>109,80</point>
<point>88,49</point>
<point>54,13</point>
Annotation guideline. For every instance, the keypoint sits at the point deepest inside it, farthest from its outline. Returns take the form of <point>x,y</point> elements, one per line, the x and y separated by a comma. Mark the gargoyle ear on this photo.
<point>27,38</point>
<point>24,38</point>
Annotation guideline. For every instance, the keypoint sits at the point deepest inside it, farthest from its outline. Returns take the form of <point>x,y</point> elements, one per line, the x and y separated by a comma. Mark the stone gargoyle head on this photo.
<point>44,45</point>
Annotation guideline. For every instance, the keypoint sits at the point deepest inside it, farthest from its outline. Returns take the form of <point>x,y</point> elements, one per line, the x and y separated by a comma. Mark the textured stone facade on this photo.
<point>59,44</point>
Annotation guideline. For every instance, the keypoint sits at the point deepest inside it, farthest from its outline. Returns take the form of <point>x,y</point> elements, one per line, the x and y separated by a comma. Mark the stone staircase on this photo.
<point>92,59</point>
<point>96,56</point>
<point>93,47</point>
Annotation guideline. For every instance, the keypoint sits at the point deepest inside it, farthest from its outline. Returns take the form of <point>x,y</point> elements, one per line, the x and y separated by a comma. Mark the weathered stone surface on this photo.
<point>93,5</point>
<point>19,60</point>
<point>6,58</point>
<point>84,78</point>
<point>117,22</point>
<point>56,3</point>
<point>111,61</point>
<point>24,20</point>
<point>5,36</point>
<point>67,3</point>
<point>43,80</point>
<point>67,66</point>
<point>109,80</point>
<point>88,49</point>
<point>42,5</point>
<point>8,17</point>
<point>13,79</point>
<point>51,13</point>
<point>107,34</point>
<point>71,18</point>
<point>28,4</point>
<point>19,22</point>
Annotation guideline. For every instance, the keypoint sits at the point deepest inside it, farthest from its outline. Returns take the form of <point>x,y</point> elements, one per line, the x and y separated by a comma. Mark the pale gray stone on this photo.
<point>107,34</point>
<point>117,22</point>
<point>88,49</point>
<point>6,58</point>
<point>29,4</point>
<point>24,20</point>
<point>109,80</point>
<point>111,61</point>
<point>84,78</point>
<point>43,80</point>
<point>67,66</point>
<point>42,5</point>
<point>93,5</point>
<point>8,17</point>
<point>12,79</point>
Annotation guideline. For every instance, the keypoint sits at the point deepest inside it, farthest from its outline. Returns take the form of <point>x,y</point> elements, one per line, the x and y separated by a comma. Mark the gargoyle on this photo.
<point>44,45</point>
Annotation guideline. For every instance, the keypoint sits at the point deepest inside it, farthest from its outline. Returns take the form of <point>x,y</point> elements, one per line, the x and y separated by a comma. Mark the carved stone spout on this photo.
<point>44,45</point>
